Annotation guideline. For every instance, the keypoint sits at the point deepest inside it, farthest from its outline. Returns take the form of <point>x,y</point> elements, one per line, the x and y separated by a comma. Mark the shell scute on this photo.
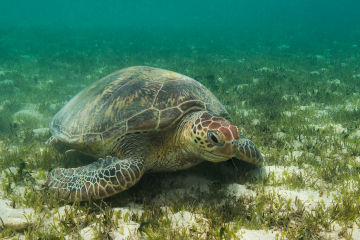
<point>147,119</point>
<point>175,92</point>
<point>194,104</point>
<point>167,116</point>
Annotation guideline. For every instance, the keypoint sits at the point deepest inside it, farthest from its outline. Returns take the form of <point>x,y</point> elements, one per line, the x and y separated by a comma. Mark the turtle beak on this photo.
<point>247,151</point>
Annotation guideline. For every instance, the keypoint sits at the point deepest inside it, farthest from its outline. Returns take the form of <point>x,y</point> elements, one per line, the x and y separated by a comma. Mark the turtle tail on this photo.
<point>97,180</point>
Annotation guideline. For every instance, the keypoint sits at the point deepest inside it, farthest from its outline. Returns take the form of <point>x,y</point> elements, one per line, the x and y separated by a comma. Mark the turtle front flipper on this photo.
<point>97,180</point>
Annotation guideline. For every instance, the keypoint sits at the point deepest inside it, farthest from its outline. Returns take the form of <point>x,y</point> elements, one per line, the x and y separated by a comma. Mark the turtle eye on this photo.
<point>215,138</point>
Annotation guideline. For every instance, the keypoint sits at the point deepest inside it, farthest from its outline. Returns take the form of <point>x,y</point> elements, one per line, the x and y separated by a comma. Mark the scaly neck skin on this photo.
<point>184,137</point>
<point>170,150</point>
<point>174,150</point>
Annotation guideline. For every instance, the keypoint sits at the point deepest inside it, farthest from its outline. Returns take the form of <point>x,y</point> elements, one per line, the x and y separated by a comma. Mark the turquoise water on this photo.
<point>307,16</point>
<point>172,22</point>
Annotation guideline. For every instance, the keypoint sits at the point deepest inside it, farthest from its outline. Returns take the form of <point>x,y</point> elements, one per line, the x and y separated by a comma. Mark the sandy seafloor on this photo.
<point>297,100</point>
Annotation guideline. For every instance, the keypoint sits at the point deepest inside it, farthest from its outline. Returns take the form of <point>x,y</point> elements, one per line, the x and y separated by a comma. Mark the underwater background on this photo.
<point>288,72</point>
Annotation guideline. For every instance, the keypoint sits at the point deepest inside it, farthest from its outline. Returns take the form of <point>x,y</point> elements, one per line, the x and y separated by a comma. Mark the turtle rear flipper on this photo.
<point>97,180</point>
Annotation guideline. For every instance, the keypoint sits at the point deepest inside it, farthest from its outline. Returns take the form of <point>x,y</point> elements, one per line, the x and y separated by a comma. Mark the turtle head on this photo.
<point>216,139</point>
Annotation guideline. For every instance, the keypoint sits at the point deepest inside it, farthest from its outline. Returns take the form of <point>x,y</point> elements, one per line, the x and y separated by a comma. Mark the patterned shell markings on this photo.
<point>132,99</point>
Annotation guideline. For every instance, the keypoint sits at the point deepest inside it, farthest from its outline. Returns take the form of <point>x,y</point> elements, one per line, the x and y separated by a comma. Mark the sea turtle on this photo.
<point>142,119</point>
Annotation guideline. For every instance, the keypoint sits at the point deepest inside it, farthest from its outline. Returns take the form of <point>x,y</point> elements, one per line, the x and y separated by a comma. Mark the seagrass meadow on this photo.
<point>293,89</point>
